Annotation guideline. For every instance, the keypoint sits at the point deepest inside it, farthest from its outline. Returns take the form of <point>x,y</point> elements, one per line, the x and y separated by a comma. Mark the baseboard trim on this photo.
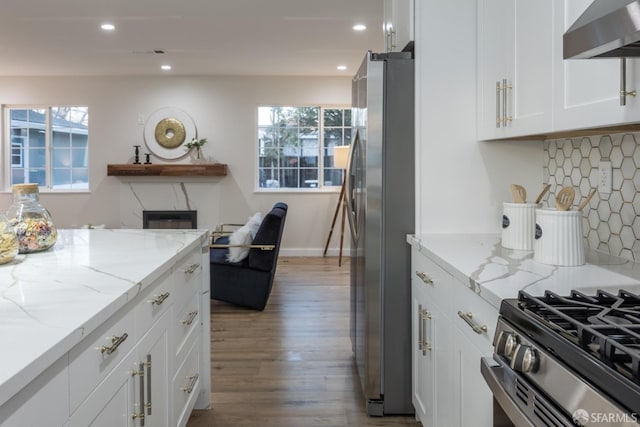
<point>300,252</point>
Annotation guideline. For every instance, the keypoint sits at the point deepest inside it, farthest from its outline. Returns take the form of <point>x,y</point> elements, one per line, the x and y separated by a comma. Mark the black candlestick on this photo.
<point>137,157</point>
<point>147,158</point>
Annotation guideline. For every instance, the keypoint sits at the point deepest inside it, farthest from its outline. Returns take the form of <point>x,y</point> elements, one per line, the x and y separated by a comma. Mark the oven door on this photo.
<point>516,402</point>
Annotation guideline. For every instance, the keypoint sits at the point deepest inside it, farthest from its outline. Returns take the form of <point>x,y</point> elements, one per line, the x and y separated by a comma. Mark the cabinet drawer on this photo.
<point>186,386</point>
<point>470,306</point>
<point>43,402</point>
<point>187,277</point>
<point>434,280</point>
<point>154,302</point>
<point>186,323</point>
<point>98,354</point>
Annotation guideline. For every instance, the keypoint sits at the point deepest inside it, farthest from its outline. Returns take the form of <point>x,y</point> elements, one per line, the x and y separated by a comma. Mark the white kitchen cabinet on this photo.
<point>586,91</point>
<point>422,363</point>
<point>514,68</point>
<point>446,346</point>
<point>473,399</point>
<point>124,371</point>
<point>137,389</point>
<point>398,24</point>
<point>40,403</point>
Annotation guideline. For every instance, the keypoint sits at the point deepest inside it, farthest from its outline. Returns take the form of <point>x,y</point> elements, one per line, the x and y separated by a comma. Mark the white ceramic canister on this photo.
<point>558,238</point>
<point>518,225</point>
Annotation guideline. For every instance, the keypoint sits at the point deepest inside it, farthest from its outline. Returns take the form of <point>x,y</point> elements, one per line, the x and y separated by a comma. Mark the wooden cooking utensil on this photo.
<point>564,198</point>
<point>586,201</point>
<point>542,193</point>
<point>518,193</point>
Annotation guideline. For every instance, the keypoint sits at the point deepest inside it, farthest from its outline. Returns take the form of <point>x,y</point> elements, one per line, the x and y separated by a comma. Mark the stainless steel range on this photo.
<point>567,361</point>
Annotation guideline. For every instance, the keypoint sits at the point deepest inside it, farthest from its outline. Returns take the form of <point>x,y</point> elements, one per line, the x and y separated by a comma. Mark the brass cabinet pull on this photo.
<point>148,366</point>
<point>506,118</point>
<point>191,268</point>
<point>498,118</point>
<point>140,374</point>
<point>192,383</point>
<point>190,316</point>
<point>160,298</point>
<point>467,317</point>
<point>420,328</point>
<point>423,343</point>
<point>424,277</point>
<point>623,83</point>
<point>115,343</point>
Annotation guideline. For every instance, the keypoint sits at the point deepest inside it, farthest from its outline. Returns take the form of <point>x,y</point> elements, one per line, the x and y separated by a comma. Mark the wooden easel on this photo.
<point>342,204</point>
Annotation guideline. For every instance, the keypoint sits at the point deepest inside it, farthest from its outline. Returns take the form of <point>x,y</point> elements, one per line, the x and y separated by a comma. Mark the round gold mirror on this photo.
<point>170,133</point>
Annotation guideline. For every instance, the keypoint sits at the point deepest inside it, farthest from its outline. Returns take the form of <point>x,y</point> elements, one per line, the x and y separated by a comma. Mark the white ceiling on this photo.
<point>199,37</point>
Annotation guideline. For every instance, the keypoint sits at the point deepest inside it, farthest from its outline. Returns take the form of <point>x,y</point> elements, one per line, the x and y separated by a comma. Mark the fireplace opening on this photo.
<point>169,219</point>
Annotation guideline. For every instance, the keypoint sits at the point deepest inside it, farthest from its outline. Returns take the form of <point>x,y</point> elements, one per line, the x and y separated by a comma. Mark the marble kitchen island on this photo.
<point>85,325</point>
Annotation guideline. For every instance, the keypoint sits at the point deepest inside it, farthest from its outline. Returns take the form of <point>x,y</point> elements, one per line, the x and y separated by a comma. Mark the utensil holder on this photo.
<point>518,225</point>
<point>558,237</point>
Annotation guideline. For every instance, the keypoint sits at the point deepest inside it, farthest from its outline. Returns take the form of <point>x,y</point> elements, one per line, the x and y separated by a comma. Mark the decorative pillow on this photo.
<point>254,224</point>
<point>243,236</point>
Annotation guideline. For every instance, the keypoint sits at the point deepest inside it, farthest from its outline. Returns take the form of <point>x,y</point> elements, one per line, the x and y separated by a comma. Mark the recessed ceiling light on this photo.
<point>166,67</point>
<point>341,67</point>
<point>359,27</point>
<point>108,27</point>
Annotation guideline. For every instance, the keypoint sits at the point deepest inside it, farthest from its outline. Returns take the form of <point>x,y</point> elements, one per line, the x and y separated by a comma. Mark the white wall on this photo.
<point>461,182</point>
<point>224,111</point>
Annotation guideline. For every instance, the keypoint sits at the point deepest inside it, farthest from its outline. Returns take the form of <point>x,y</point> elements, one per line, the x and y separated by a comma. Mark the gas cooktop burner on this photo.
<point>606,325</point>
<point>596,336</point>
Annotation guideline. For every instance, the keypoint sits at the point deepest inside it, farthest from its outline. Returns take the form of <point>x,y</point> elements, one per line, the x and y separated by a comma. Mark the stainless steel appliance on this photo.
<point>566,361</point>
<point>607,28</point>
<point>380,201</point>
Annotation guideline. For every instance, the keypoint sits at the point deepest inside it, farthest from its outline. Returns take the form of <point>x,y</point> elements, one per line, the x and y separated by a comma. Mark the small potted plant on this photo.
<point>197,144</point>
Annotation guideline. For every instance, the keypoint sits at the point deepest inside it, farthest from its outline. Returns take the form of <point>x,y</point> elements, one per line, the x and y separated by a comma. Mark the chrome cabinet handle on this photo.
<point>190,316</point>
<point>192,383</point>
<point>140,374</point>
<point>148,366</point>
<point>191,268</point>
<point>160,298</point>
<point>424,277</point>
<point>115,343</point>
<point>467,317</point>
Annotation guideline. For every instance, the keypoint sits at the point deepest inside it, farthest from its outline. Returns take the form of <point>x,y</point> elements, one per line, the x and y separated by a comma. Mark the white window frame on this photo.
<point>321,188</point>
<point>48,130</point>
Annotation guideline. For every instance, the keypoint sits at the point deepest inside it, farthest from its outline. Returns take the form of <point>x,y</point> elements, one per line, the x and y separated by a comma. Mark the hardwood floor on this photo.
<point>290,365</point>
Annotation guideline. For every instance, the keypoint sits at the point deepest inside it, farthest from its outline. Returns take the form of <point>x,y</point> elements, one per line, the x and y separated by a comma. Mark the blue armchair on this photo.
<point>248,283</point>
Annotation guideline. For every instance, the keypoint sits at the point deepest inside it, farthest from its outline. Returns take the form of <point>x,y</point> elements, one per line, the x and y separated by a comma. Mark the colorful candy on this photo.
<point>8,243</point>
<point>34,234</point>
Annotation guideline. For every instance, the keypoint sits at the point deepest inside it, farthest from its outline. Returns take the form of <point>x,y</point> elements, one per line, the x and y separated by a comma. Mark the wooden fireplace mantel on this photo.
<point>205,169</point>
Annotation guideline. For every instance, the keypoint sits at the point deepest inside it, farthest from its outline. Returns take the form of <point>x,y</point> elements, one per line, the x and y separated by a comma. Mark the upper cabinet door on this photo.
<point>514,68</point>
<point>586,92</point>
<point>398,24</point>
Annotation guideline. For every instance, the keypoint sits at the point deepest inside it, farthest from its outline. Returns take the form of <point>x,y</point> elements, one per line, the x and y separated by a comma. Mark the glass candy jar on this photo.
<point>31,221</point>
<point>8,241</point>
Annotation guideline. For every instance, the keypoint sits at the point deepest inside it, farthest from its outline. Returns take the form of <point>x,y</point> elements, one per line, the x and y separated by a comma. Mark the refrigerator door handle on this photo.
<point>349,182</point>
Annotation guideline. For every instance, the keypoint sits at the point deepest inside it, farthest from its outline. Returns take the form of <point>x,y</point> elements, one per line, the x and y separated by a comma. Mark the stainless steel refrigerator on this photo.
<point>380,207</point>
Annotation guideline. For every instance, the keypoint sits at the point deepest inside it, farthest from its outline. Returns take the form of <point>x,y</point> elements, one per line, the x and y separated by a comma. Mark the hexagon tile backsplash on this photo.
<point>611,221</point>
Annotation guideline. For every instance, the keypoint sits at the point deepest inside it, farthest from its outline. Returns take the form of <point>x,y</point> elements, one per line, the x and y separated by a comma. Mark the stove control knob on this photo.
<point>506,344</point>
<point>525,359</point>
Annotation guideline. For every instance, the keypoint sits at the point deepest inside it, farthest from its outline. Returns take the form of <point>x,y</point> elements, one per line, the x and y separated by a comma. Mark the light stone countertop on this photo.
<point>496,273</point>
<point>50,300</point>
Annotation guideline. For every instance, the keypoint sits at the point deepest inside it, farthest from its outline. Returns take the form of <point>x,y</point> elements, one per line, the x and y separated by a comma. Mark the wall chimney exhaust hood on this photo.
<point>606,29</point>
